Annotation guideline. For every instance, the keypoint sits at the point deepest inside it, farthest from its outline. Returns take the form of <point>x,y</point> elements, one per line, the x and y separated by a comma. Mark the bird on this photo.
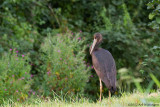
<point>104,65</point>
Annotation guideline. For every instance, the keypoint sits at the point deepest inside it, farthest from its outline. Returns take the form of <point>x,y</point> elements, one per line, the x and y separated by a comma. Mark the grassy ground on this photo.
<point>133,100</point>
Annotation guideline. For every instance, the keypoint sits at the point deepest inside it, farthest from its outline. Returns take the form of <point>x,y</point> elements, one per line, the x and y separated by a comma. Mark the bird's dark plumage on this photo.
<point>104,64</point>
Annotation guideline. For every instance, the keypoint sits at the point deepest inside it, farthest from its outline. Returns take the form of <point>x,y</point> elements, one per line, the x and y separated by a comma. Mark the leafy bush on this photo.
<point>15,78</point>
<point>15,31</point>
<point>126,78</point>
<point>151,65</point>
<point>155,14</point>
<point>63,68</point>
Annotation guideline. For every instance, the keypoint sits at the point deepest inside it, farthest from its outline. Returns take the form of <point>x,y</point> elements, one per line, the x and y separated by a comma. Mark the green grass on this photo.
<point>127,99</point>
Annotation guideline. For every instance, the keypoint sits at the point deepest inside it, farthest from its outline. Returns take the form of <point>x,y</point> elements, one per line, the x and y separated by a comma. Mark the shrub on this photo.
<point>14,79</point>
<point>150,66</point>
<point>63,68</point>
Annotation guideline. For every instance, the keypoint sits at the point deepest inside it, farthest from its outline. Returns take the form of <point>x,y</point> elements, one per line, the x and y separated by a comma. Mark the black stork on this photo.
<point>104,65</point>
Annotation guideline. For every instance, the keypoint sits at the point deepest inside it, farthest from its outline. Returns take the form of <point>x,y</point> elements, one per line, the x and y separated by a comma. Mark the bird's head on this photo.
<point>97,40</point>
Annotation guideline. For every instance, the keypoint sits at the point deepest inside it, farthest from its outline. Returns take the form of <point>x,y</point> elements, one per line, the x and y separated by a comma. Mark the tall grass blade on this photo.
<point>155,80</point>
<point>138,86</point>
<point>149,86</point>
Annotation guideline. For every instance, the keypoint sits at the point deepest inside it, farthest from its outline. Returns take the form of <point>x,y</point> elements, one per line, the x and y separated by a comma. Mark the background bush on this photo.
<point>15,80</point>
<point>63,70</point>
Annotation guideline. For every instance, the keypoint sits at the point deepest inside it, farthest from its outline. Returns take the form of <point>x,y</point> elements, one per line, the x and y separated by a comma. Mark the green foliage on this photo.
<point>127,19</point>
<point>155,80</point>
<point>155,14</point>
<point>150,65</point>
<point>106,20</point>
<point>127,78</point>
<point>15,31</point>
<point>63,69</point>
<point>15,79</point>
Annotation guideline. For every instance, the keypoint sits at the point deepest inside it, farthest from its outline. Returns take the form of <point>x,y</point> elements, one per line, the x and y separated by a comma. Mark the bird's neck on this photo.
<point>95,48</point>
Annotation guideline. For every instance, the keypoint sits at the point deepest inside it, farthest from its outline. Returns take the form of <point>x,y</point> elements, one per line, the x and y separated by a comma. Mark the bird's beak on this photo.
<point>93,45</point>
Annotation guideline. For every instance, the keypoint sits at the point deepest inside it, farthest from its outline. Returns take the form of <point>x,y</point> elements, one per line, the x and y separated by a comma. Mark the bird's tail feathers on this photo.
<point>113,89</point>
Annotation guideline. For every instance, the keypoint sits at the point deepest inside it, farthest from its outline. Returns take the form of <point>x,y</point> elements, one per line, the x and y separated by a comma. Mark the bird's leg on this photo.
<point>109,95</point>
<point>100,88</point>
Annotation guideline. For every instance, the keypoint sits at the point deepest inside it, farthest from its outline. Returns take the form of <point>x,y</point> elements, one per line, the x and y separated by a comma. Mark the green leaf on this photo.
<point>151,16</point>
<point>155,80</point>
<point>158,20</point>
<point>158,7</point>
<point>149,86</point>
<point>138,86</point>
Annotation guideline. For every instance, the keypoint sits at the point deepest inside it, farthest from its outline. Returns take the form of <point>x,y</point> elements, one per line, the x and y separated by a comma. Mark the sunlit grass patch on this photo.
<point>135,99</point>
<point>127,99</point>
